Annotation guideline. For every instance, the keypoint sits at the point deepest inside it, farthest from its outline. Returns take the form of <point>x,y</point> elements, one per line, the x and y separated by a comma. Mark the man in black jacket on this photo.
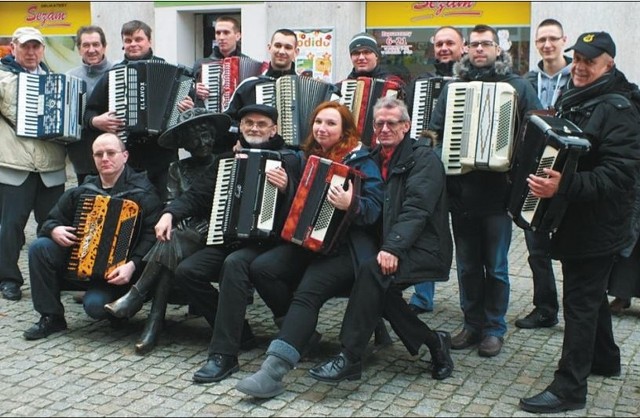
<point>416,245</point>
<point>145,153</point>
<point>597,224</point>
<point>49,254</point>
<point>481,225</point>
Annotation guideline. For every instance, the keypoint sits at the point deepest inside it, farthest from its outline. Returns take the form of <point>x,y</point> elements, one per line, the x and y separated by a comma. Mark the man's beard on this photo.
<point>255,140</point>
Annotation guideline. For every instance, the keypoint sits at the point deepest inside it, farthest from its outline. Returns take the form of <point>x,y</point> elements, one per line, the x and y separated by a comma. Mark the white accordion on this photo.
<point>479,127</point>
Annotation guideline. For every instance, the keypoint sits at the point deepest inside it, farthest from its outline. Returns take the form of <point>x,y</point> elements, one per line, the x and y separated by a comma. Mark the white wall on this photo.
<point>620,19</point>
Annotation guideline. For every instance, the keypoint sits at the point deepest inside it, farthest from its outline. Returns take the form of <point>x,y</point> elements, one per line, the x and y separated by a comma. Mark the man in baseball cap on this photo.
<point>594,44</point>
<point>27,33</point>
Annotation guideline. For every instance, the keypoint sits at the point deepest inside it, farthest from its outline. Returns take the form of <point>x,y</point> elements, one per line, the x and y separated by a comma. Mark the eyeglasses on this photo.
<point>551,39</point>
<point>260,125</point>
<point>109,154</point>
<point>391,124</point>
<point>484,44</point>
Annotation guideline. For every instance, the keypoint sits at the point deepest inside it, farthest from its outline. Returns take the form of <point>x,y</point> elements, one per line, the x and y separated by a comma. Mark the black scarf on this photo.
<point>444,69</point>
<point>611,82</point>
<point>275,143</point>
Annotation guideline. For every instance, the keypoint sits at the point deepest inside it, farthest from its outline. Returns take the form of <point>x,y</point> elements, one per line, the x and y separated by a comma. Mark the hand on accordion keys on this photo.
<point>64,236</point>
<point>202,91</point>
<point>340,198</point>
<point>544,186</point>
<point>108,122</point>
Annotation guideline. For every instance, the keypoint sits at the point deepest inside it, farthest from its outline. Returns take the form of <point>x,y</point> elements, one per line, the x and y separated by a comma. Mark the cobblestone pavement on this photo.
<point>92,369</point>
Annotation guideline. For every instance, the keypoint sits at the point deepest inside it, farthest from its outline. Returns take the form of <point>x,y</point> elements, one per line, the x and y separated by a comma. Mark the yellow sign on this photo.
<point>51,18</point>
<point>390,14</point>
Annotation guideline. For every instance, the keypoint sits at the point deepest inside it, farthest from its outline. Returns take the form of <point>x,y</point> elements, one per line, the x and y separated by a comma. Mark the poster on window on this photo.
<point>315,58</point>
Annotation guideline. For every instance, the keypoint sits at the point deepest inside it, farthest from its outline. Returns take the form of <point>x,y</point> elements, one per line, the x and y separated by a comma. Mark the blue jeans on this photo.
<point>482,247</point>
<point>423,295</point>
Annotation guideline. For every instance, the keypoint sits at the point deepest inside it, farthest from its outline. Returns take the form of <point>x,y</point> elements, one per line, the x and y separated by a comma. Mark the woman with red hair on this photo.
<point>321,277</point>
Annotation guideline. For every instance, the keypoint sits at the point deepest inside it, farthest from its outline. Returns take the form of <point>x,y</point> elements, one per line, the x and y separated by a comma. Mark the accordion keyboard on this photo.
<point>30,108</point>
<point>211,78</point>
<point>530,205</point>
<point>326,211</point>
<point>221,196</point>
<point>266,94</point>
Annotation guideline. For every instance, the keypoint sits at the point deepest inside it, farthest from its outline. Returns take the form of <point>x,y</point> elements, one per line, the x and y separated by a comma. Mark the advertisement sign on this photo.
<point>316,53</point>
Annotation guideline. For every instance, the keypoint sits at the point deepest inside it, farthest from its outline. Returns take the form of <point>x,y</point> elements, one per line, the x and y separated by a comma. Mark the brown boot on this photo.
<point>618,305</point>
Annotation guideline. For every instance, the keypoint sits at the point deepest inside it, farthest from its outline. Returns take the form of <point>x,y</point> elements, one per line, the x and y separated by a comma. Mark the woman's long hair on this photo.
<point>348,141</point>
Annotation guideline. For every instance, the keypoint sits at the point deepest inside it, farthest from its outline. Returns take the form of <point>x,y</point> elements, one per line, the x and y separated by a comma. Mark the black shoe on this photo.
<point>10,290</point>
<point>537,319</point>
<point>441,361</point>
<point>418,309</point>
<point>548,403</point>
<point>217,368</point>
<point>337,369</point>
<point>490,346</point>
<point>46,326</point>
<point>608,371</point>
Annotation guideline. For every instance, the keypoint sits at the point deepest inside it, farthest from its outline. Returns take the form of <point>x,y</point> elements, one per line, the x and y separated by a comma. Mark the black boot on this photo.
<point>441,361</point>
<point>129,304</point>
<point>152,328</point>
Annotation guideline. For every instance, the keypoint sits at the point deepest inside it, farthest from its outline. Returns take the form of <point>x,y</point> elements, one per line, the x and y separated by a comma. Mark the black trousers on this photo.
<point>545,294</point>
<point>373,296</point>
<point>588,337</point>
<point>235,289</point>
<point>16,203</point>
<point>196,275</point>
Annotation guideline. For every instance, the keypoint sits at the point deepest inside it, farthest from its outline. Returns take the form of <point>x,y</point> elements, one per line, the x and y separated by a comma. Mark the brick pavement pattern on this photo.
<point>92,370</point>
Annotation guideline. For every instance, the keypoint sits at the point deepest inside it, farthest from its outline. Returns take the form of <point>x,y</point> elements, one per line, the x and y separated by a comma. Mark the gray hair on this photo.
<point>392,103</point>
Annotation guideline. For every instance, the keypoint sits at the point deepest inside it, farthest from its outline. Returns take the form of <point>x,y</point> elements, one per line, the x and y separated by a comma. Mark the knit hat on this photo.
<point>26,34</point>
<point>364,41</point>
<point>268,111</point>
<point>594,44</point>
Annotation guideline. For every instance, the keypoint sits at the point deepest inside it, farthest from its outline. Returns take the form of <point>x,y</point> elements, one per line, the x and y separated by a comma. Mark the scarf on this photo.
<point>611,82</point>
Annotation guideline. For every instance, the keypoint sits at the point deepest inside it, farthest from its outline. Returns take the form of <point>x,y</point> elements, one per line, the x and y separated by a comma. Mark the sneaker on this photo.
<point>47,325</point>
<point>537,319</point>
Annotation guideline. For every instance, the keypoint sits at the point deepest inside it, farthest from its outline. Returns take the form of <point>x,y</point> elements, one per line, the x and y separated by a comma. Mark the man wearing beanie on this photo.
<point>597,225</point>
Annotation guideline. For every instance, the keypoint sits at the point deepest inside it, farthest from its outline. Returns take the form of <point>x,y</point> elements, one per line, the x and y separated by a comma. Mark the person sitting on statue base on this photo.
<point>198,132</point>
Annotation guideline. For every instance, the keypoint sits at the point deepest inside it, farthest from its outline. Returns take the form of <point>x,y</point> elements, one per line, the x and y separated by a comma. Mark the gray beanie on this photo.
<point>364,41</point>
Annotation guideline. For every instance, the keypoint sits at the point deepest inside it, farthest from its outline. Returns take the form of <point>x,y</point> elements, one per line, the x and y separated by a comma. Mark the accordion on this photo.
<point>360,96</point>
<point>105,227</point>
<point>50,107</point>
<point>244,202</point>
<point>544,142</point>
<point>313,222</point>
<point>479,127</point>
<point>145,94</point>
<point>425,96</point>
<point>295,98</point>
<point>222,77</point>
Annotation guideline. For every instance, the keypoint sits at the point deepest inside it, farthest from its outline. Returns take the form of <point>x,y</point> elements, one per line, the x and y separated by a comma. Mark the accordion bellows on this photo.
<point>105,227</point>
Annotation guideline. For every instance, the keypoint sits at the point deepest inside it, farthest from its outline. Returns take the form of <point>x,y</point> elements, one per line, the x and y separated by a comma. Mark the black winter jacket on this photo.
<point>131,185</point>
<point>601,193</point>
<point>415,221</point>
<point>480,193</point>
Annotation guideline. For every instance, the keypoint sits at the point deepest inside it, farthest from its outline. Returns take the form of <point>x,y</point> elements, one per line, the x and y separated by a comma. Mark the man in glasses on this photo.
<point>549,77</point>
<point>481,225</point>
<point>49,254</point>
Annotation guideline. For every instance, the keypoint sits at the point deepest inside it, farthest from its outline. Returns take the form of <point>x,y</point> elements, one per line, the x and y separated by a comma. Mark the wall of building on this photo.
<point>617,18</point>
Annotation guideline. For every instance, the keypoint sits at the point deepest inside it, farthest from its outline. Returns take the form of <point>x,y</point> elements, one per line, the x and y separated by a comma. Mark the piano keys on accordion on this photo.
<point>313,222</point>
<point>222,77</point>
<point>479,127</point>
<point>244,202</point>
<point>105,227</point>
<point>425,96</point>
<point>544,142</point>
<point>295,98</point>
<point>50,107</point>
<point>360,96</point>
<point>145,94</point>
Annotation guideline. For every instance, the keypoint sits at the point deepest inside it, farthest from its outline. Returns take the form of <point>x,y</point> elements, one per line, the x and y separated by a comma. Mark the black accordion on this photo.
<point>544,142</point>
<point>145,94</point>
<point>479,127</point>
<point>244,202</point>
<point>360,96</point>
<point>50,107</point>
<point>222,77</point>
<point>105,227</point>
<point>295,98</point>
<point>424,98</point>
<point>313,222</point>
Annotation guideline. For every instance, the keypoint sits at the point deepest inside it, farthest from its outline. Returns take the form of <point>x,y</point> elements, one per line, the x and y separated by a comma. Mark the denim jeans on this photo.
<point>482,247</point>
<point>423,295</point>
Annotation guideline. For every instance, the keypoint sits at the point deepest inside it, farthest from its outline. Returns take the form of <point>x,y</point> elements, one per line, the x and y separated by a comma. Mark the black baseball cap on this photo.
<point>268,111</point>
<point>594,44</point>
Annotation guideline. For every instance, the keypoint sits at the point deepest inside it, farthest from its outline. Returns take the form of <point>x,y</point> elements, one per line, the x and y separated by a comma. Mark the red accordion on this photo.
<point>223,76</point>
<point>313,222</point>
<point>360,96</point>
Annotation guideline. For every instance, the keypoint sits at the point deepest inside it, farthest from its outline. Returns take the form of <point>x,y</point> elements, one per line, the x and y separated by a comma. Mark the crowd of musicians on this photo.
<point>302,191</point>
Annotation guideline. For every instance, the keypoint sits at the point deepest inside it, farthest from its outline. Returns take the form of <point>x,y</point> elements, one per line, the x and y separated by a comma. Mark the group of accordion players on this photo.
<point>296,189</point>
